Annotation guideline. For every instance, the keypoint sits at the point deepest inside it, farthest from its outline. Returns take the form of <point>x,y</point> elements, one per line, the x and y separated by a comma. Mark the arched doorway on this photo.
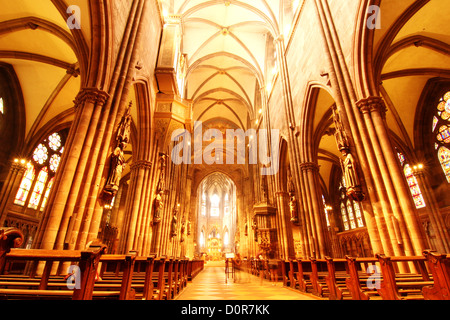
<point>217,217</point>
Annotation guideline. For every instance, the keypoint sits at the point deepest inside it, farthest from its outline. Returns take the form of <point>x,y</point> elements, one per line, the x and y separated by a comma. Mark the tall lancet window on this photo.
<point>215,200</point>
<point>412,182</point>
<point>351,212</point>
<point>38,179</point>
<point>441,129</point>
<point>227,204</point>
<point>203,204</point>
<point>202,239</point>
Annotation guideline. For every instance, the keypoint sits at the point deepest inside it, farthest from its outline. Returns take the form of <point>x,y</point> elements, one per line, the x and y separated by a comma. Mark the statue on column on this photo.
<point>351,177</point>
<point>117,163</point>
<point>158,204</point>
<point>348,163</point>
<point>339,133</point>
<point>174,223</point>
<point>264,188</point>
<point>293,209</point>
<point>183,229</point>
<point>255,229</point>
<point>189,227</point>
<point>293,205</point>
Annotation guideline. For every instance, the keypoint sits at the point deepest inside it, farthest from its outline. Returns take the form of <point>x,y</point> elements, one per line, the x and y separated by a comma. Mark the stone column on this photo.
<point>305,209</point>
<point>373,109</point>
<point>442,237</point>
<point>10,187</point>
<point>311,171</point>
<point>89,102</point>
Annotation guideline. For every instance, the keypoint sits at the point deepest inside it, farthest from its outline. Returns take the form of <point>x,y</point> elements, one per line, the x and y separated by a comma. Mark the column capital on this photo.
<point>141,164</point>
<point>92,95</point>
<point>372,105</point>
<point>19,166</point>
<point>309,166</point>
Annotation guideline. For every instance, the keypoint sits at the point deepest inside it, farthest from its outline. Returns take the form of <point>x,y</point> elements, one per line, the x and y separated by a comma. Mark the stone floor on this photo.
<point>211,284</point>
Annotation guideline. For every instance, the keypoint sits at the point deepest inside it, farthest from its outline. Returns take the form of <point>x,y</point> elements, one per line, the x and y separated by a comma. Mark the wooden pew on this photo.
<point>293,272</point>
<point>303,275</point>
<point>356,282</point>
<point>87,261</point>
<point>127,262</point>
<point>149,279</point>
<point>319,272</point>
<point>9,238</point>
<point>285,272</point>
<point>439,265</point>
<point>405,286</point>
<point>338,272</point>
<point>194,268</point>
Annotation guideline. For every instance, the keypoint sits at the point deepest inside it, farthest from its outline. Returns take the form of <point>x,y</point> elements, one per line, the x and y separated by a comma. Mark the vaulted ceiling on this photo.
<point>230,55</point>
<point>411,47</point>
<point>37,41</point>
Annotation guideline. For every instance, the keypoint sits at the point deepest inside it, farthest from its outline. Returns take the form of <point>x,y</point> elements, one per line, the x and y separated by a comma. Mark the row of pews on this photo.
<point>381,277</point>
<point>89,274</point>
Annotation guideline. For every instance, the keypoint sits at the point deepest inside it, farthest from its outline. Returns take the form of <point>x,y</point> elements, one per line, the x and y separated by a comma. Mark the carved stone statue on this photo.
<point>174,223</point>
<point>117,157</point>
<point>115,171</point>
<point>348,166</point>
<point>182,230</point>
<point>351,176</point>
<point>264,188</point>
<point>189,228</point>
<point>255,229</point>
<point>339,134</point>
<point>162,173</point>
<point>123,134</point>
<point>293,208</point>
<point>158,208</point>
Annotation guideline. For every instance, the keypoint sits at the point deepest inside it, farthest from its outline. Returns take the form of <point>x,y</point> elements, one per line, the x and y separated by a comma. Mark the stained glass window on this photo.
<point>351,216</point>
<point>444,159</point>
<point>215,205</point>
<point>344,217</point>
<point>441,128</point>
<point>202,239</point>
<point>435,122</point>
<point>54,162</point>
<point>227,204</point>
<point>25,185</point>
<point>350,211</point>
<point>444,134</point>
<point>54,141</point>
<point>226,239</point>
<point>402,159</point>
<point>47,193</point>
<point>38,190</point>
<point>326,211</point>
<point>203,204</point>
<point>414,187</point>
<point>358,214</point>
<point>40,154</point>
<point>412,182</point>
<point>46,158</point>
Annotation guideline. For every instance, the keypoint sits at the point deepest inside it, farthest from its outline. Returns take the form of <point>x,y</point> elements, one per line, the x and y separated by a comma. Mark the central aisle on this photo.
<point>210,285</point>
